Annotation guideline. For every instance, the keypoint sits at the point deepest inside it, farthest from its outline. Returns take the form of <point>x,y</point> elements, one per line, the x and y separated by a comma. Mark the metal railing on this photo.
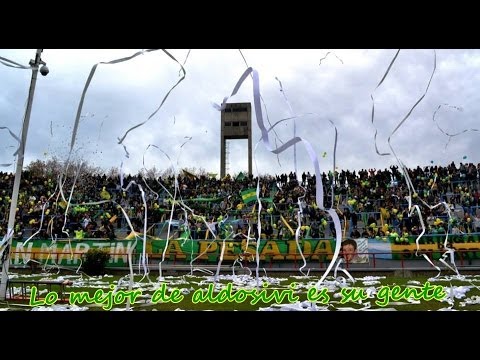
<point>464,258</point>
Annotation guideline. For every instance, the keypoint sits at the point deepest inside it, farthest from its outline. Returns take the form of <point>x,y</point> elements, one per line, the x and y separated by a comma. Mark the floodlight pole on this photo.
<point>5,259</point>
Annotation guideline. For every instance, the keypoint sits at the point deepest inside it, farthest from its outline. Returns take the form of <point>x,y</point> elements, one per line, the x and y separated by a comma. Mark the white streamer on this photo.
<point>16,65</point>
<point>450,136</point>
<point>309,149</point>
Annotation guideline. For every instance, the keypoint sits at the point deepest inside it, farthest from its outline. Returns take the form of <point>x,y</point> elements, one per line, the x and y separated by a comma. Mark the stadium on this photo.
<point>77,237</point>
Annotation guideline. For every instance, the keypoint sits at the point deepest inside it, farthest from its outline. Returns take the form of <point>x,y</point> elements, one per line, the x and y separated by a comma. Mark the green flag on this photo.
<point>189,175</point>
<point>240,176</point>
<point>249,195</point>
<point>273,190</point>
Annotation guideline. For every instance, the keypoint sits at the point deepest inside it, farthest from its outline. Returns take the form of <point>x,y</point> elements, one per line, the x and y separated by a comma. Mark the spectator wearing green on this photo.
<point>79,234</point>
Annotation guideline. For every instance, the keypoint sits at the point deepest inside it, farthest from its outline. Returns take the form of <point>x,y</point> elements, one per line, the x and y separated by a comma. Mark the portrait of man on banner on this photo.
<point>355,251</point>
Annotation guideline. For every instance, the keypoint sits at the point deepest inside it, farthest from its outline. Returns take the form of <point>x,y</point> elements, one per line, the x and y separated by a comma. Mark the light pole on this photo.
<point>5,257</point>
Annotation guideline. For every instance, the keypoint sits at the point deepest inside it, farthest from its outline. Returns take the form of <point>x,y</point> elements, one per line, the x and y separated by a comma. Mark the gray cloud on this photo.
<point>123,95</point>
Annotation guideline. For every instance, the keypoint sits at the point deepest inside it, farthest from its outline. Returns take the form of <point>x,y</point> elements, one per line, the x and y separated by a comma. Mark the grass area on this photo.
<point>242,292</point>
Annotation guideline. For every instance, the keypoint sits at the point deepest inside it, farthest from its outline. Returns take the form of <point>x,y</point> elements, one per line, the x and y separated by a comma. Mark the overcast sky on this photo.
<point>334,87</point>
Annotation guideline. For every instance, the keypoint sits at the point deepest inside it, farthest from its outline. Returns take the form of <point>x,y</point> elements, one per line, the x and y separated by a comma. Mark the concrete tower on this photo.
<point>236,123</point>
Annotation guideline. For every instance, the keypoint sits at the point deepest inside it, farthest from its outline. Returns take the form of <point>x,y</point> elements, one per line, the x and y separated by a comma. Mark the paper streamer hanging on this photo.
<point>82,98</point>
<point>450,136</point>
<point>297,231</point>
<point>182,205</point>
<point>16,138</point>
<point>143,258</point>
<point>294,126</point>
<point>373,103</point>
<point>87,84</point>
<point>266,113</point>
<point>328,53</point>
<point>184,62</point>
<point>310,151</point>
<point>16,65</point>
<point>412,209</point>
<point>416,103</point>
<point>120,140</point>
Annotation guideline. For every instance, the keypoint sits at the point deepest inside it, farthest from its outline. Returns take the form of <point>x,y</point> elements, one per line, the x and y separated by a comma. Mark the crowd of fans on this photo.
<point>370,203</point>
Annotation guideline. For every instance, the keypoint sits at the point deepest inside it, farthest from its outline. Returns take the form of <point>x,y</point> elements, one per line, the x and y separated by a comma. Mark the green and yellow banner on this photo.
<point>249,195</point>
<point>181,251</point>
